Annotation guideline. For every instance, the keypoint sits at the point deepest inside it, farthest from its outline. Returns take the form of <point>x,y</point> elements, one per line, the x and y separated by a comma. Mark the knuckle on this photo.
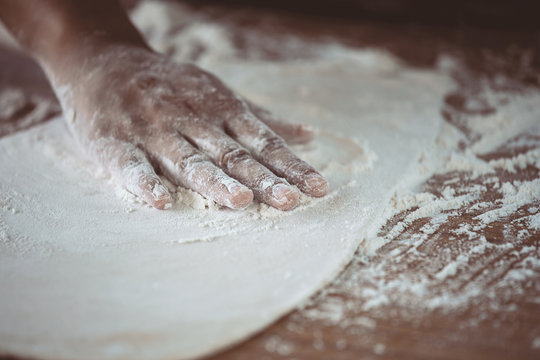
<point>191,161</point>
<point>135,165</point>
<point>264,181</point>
<point>270,145</point>
<point>130,155</point>
<point>232,156</point>
<point>230,108</point>
<point>296,168</point>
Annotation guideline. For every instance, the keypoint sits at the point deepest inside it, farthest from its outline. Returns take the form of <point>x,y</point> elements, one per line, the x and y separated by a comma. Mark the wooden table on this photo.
<point>497,319</point>
<point>485,315</point>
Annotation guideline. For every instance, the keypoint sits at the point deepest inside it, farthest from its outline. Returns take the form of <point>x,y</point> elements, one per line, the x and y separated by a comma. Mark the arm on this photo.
<point>132,109</point>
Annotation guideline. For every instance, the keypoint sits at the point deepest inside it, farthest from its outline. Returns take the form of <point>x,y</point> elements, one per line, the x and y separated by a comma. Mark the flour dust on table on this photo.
<point>89,272</point>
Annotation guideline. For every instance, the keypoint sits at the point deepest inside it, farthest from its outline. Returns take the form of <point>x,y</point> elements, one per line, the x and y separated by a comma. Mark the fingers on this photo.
<point>238,163</point>
<point>291,133</point>
<point>270,149</point>
<point>186,166</point>
<point>131,168</point>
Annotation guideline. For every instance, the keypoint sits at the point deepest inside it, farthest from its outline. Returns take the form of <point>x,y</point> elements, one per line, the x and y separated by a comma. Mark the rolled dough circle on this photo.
<point>86,275</point>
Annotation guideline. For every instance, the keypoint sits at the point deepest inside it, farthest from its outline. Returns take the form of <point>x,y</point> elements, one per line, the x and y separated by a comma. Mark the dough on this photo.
<point>88,274</point>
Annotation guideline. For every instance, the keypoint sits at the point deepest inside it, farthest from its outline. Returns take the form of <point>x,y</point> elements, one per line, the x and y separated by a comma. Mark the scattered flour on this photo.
<point>94,254</point>
<point>477,214</point>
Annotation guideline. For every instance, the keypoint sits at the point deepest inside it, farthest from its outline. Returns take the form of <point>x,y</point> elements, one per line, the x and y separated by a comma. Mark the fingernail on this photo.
<point>160,192</point>
<point>307,128</point>
<point>161,197</point>
<point>163,203</point>
<point>241,197</point>
<point>316,185</point>
<point>285,197</point>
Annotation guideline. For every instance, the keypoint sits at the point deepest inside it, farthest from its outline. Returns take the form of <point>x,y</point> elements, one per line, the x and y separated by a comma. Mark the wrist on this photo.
<point>72,61</point>
<point>62,34</point>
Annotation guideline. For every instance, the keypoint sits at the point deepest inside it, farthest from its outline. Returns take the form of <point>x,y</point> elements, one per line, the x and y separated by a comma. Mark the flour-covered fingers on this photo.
<point>272,151</point>
<point>130,167</point>
<point>187,166</point>
<point>236,161</point>
<point>291,133</point>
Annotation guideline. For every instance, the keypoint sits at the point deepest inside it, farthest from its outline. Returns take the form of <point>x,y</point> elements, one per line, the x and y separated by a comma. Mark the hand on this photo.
<point>133,110</point>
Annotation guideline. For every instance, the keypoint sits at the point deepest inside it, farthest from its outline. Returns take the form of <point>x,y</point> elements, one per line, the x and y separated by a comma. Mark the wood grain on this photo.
<point>502,321</point>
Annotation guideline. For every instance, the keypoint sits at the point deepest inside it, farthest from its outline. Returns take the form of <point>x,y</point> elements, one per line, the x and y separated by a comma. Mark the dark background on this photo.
<point>501,14</point>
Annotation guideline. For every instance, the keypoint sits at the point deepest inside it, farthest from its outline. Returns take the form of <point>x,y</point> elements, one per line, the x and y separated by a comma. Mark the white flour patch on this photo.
<point>93,273</point>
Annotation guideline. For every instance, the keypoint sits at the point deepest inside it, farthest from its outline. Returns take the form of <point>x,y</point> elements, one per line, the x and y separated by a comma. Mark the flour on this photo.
<point>95,273</point>
<point>493,181</point>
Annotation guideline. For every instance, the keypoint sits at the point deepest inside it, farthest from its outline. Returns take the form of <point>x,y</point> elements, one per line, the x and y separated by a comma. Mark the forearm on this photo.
<point>60,33</point>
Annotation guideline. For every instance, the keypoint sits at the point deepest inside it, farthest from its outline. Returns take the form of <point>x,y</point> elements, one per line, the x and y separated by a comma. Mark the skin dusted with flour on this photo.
<point>133,110</point>
<point>198,132</point>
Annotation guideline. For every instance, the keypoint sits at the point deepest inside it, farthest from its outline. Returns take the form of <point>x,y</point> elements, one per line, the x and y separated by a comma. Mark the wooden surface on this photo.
<point>497,318</point>
<point>500,321</point>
